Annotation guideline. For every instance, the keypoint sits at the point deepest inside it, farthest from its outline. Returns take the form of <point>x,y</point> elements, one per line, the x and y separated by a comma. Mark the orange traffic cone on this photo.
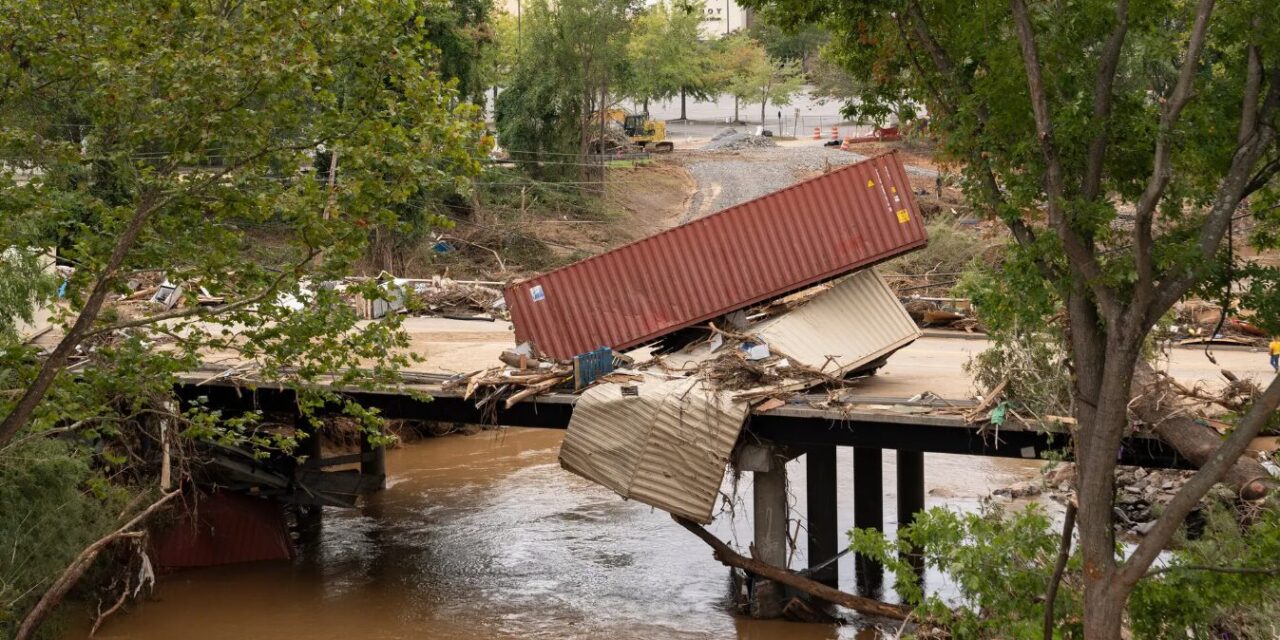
<point>844,145</point>
<point>817,133</point>
<point>835,132</point>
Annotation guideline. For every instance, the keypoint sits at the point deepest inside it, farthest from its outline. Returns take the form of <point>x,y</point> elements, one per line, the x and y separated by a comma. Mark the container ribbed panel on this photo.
<point>812,231</point>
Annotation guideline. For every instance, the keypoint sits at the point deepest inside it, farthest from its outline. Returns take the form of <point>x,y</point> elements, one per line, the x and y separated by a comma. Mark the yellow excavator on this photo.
<point>650,135</point>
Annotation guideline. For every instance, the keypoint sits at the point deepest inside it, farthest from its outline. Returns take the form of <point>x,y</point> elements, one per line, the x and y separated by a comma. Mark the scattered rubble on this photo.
<point>729,139</point>
<point>437,296</point>
<point>1141,493</point>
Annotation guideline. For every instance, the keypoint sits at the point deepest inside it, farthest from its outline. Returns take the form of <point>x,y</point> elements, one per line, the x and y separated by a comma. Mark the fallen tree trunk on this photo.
<point>724,554</point>
<point>1194,441</point>
<point>72,573</point>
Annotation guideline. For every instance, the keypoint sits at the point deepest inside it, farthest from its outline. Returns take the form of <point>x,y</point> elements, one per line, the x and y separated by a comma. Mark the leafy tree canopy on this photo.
<point>179,141</point>
<point>666,53</point>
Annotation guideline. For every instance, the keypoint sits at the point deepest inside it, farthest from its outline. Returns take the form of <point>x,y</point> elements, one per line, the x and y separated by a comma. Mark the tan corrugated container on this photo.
<point>665,445</point>
<point>856,322</point>
<point>810,232</point>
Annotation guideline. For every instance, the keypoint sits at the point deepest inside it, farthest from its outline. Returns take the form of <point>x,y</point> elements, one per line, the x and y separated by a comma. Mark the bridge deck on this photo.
<point>862,421</point>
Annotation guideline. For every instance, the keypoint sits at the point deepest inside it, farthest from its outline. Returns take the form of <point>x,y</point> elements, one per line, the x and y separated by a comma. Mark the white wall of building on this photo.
<point>723,16</point>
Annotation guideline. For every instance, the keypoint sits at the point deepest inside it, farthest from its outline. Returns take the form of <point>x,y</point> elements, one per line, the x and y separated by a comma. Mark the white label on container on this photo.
<point>537,294</point>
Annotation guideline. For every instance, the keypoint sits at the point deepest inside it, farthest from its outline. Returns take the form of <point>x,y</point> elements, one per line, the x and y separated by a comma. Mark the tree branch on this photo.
<point>1080,253</point>
<point>987,178</point>
<point>1261,571</point>
<point>792,579</point>
<point>82,562</point>
<point>148,203</point>
<point>206,312</point>
<point>1161,170</point>
<point>1064,554</point>
<point>1231,191</point>
<point>49,369</point>
<point>1252,89</point>
<point>1189,496</point>
<point>1102,99</point>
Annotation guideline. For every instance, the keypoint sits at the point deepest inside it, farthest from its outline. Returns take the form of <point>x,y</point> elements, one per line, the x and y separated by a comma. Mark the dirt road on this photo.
<point>727,178</point>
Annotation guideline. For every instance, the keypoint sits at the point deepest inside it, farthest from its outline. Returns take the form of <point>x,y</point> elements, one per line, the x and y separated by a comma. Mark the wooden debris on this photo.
<point>517,360</point>
<point>729,557</point>
<point>987,403</point>
<point>769,405</point>
<point>541,387</point>
<point>1195,441</point>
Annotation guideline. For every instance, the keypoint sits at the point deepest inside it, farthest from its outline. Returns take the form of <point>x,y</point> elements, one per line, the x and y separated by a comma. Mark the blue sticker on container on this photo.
<point>537,294</point>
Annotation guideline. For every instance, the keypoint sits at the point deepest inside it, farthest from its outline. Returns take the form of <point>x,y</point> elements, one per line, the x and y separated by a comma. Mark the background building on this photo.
<point>719,16</point>
<point>724,16</point>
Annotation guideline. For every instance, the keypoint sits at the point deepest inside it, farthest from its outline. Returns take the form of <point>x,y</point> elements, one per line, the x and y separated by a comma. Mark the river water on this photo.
<point>485,537</point>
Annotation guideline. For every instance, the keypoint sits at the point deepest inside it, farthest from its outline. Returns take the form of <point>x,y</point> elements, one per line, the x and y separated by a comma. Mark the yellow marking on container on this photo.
<point>903,216</point>
<point>871,183</point>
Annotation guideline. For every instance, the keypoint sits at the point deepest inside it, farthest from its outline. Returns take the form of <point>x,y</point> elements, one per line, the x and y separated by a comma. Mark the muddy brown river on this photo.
<point>485,537</point>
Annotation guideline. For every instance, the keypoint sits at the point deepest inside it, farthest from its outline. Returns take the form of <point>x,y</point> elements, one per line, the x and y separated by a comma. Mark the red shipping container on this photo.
<point>812,231</point>
<point>224,528</point>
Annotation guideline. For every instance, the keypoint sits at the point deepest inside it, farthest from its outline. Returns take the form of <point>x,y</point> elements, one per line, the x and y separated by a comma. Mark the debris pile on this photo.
<point>953,313</point>
<point>729,139</point>
<point>1199,322</point>
<point>460,299</point>
<point>702,391</point>
<point>151,292</point>
<point>1140,493</point>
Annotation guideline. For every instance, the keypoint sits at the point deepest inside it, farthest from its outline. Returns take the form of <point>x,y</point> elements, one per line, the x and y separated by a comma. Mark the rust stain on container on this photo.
<point>812,231</point>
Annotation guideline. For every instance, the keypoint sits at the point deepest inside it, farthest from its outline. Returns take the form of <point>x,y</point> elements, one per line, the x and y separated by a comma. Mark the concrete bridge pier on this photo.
<point>911,495</point>
<point>823,530</point>
<point>868,513</point>
<point>373,459</point>
<point>769,510</point>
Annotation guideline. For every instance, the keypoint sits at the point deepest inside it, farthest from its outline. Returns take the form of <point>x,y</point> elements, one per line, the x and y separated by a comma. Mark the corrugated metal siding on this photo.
<point>811,231</point>
<point>224,528</point>
<point>667,446</point>
<point>855,323</point>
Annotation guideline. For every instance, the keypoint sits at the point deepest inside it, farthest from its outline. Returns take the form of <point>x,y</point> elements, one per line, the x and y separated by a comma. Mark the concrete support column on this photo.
<point>374,460</point>
<point>868,513</point>
<point>824,534</point>
<point>769,495</point>
<point>910,486</point>
<point>911,495</point>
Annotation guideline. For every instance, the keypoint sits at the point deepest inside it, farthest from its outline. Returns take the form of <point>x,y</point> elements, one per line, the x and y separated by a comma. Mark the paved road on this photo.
<point>930,364</point>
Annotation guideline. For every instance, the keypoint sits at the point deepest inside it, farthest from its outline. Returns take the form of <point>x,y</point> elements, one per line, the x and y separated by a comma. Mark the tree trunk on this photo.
<point>1103,367</point>
<point>729,557</point>
<point>1103,611</point>
<point>735,109</point>
<point>1195,442</point>
<point>646,107</point>
<point>763,104</point>
<point>683,115</point>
